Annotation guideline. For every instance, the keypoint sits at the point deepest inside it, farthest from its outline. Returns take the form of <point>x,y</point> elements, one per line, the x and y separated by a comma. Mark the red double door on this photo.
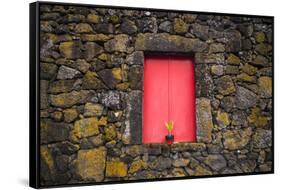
<point>168,96</point>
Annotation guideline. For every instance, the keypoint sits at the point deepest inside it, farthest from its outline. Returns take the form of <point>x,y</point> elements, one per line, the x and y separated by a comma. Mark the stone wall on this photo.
<point>91,69</point>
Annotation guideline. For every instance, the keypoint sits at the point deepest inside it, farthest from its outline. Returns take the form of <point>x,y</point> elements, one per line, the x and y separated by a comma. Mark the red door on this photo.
<point>168,96</point>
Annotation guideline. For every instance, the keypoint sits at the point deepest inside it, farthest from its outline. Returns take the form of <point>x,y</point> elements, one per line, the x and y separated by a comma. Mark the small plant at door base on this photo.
<point>169,138</point>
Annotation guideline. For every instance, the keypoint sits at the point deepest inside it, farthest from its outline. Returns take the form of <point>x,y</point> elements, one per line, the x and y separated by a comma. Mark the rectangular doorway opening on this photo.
<point>169,95</point>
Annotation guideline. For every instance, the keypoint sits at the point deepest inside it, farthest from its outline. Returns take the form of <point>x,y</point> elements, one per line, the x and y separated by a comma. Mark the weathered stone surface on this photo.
<point>65,100</point>
<point>249,69</point>
<point>233,59</point>
<point>200,31</point>
<point>44,103</point>
<point>225,85</point>
<point>227,103</point>
<point>120,43</point>
<point>110,133</point>
<point>260,61</point>
<point>61,86</point>
<point>116,169</point>
<point>92,49</point>
<point>161,163</point>
<point>180,26</point>
<point>204,121</point>
<point>204,81</point>
<point>70,115</point>
<point>111,99</point>
<point>104,28</point>
<point>216,162</point>
<point>47,71</point>
<point>245,98</point>
<point>137,166</point>
<point>95,37</point>
<point>136,58</point>
<point>53,132</point>
<point>111,77</point>
<point>135,77</point>
<point>239,118</point>
<point>71,50</point>
<point>67,147</point>
<point>67,73</point>
<point>246,29</point>
<point>47,164</point>
<point>217,70</point>
<point>260,37</point>
<point>209,58</point>
<point>234,140</point>
<point>182,162</point>
<point>166,26</point>
<point>265,86</point>
<point>216,48</point>
<point>147,24</point>
<point>115,19</point>
<point>262,138</point>
<point>246,78</point>
<point>86,127</point>
<point>135,150</point>
<point>93,18</point>
<point>222,119</point>
<point>134,116</point>
<point>97,140</point>
<point>199,171</point>
<point>91,164</point>
<point>91,81</point>
<point>83,28</point>
<point>128,27</point>
<point>91,109</point>
<point>231,70</point>
<point>168,43</point>
<point>233,40</point>
<point>256,118</point>
<point>263,49</point>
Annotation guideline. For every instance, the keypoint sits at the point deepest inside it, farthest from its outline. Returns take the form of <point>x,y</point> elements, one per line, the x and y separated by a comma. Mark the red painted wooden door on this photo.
<point>168,96</point>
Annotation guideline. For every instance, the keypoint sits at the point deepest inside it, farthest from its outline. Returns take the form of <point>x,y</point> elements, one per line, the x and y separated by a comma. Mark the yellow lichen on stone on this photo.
<point>117,73</point>
<point>180,26</point>
<point>123,86</point>
<point>91,164</point>
<point>86,127</point>
<point>66,49</point>
<point>256,118</point>
<point>223,118</point>
<point>265,86</point>
<point>93,18</point>
<point>103,121</point>
<point>116,169</point>
<point>233,59</point>
<point>137,166</point>
<point>83,28</point>
<point>103,57</point>
<point>47,158</point>
<point>260,37</point>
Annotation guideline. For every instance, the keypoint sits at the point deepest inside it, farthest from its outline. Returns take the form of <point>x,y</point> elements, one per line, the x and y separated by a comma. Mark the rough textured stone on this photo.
<point>249,69</point>
<point>166,26</point>
<point>128,27</point>
<point>111,77</point>
<point>246,78</point>
<point>217,70</point>
<point>47,70</point>
<point>105,28</point>
<point>265,86</point>
<point>135,77</point>
<point>65,100</point>
<point>61,86</point>
<point>260,61</point>
<point>168,43</point>
<point>91,81</point>
<point>44,103</point>
<point>239,118</point>
<point>245,98</point>
<point>116,169</point>
<point>233,59</point>
<point>182,162</point>
<point>204,121</point>
<point>70,115</point>
<point>91,109</point>
<point>83,28</point>
<point>93,18</point>
<point>91,164</point>
<point>137,166</point>
<point>110,133</point>
<point>95,37</point>
<point>233,40</point>
<point>161,163</point>
<point>223,119</point>
<point>47,163</point>
<point>204,81</point>
<point>71,50</point>
<point>86,127</point>
<point>111,99</point>
<point>231,70</point>
<point>147,24</point>
<point>256,118</point>
<point>92,49</point>
<point>67,73</point>
<point>180,26</point>
<point>225,85</point>
<point>200,31</point>
<point>216,48</point>
<point>227,103</point>
<point>134,116</point>
<point>53,132</point>
<point>216,162</point>
<point>120,43</point>
<point>263,49</point>
<point>262,138</point>
<point>209,58</point>
<point>234,140</point>
<point>136,58</point>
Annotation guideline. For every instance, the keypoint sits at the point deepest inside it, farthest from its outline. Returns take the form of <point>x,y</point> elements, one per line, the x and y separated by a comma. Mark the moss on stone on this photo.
<point>86,127</point>
<point>233,59</point>
<point>116,169</point>
<point>256,118</point>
